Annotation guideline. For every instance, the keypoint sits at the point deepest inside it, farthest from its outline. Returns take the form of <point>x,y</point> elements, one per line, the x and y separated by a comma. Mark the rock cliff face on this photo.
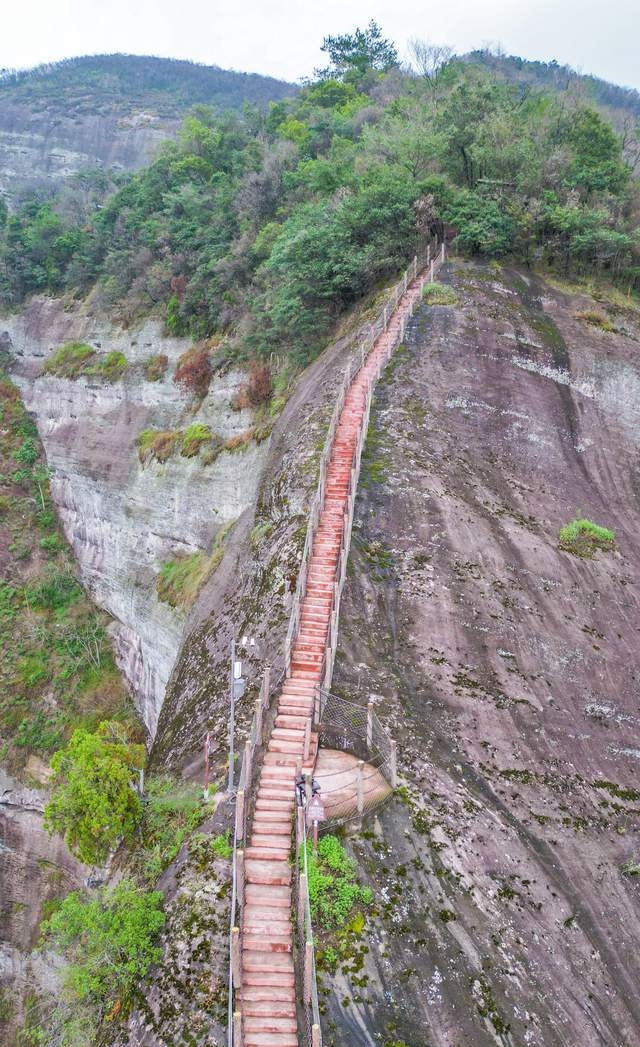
<point>123,519</point>
<point>107,111</point>
<point>38,148</point>
<point>34,868</point>
<point>506,909</point>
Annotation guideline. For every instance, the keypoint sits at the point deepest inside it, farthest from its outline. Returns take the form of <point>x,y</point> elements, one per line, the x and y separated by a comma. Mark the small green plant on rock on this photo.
<point>180,580</point>
<point>631,868</point>
<point>110,367</point>
<point>334,891</point>
<point>158,444</point>
<point>597,319</point>
<point>70,360</point>
<point>156,367</point>
<point>439,294</point>
<point>194,438</point>
<point>583,538</point>
<point>172,810</point>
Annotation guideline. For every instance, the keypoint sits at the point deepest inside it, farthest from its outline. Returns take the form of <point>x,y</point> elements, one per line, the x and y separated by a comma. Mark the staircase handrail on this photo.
<point>268,687</point>
<point>366,336</point>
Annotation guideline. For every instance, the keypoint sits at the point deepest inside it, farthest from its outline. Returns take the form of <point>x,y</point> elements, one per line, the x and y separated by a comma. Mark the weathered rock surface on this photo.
<point>34,869</point>
<point>123,519</point>
<point>508,672</point>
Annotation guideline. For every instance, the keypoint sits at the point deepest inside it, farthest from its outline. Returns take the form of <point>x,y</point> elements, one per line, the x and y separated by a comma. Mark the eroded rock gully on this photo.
<point>508,672</point>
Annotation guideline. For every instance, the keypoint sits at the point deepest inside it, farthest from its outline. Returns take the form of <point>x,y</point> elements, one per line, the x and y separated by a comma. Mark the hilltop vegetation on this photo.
<point>265,228</point>
<point>104,83</point>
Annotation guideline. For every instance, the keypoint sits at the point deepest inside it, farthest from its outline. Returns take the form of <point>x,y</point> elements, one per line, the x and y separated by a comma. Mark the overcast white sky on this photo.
<point>282,37</point>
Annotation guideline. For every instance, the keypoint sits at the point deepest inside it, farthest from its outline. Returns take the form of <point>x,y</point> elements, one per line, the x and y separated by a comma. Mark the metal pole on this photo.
<point>206,766</point>
<point>266,682</point>
<point>360,785</point>
<point>369,725</point>
<point>394,765</point>
<point>232,717</point>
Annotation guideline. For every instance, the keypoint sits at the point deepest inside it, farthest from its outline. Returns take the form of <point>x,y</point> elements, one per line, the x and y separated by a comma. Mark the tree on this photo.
<point>93,804</point>
<point>430,60</point>
<point>353,55</point>
<point>109,940</point>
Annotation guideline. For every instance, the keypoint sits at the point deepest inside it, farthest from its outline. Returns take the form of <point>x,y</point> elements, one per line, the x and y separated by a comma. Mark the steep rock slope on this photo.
<point>507,670</point>
<point>122,518</point>
<point>109,111</point>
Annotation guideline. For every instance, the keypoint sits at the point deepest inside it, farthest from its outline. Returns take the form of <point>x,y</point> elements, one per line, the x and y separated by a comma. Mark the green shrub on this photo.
<point>597,319</point>
<point>52,543</point>
<point>333,889</point>
<point>156,367</point>
<point>194,437</point>
<point>172,810</point>
<point>109,941</point>
<point>40,734</point>
<point>583,538</point>
<point>55,588</point>
<point>180,581</point>
<point>158,444</point>
<point>93,804</point>
<point>110,367</point>
<point>28,452</point>
<point>439,294</point>
<point>70,360</point>
<point>205,849</point>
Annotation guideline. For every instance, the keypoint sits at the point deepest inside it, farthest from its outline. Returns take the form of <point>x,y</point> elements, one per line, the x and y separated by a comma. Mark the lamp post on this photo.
<point>237,687</point>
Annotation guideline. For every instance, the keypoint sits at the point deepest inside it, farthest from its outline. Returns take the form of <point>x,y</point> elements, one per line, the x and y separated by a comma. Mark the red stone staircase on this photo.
<point>267,997</point>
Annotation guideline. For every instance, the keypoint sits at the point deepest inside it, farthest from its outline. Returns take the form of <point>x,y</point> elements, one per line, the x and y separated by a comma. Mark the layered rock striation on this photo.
<point>125,519</point>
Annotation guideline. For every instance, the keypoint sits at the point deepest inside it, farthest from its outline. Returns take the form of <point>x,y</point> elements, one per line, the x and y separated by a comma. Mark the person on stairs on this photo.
<point>301,790</point>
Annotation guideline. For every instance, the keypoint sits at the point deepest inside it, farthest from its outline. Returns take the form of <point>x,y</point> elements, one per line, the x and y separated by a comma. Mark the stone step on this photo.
<point>272,895</point>
<point>261,913</point>
<point>271,943</point>
<point>293,733</point>
<point>270,1039</point>
<point>267,828</point>
<point>260,960</point>
<point>267,853</point>
<point>270,1008</point>
<point>288,720</point>
<point>271,873</point>
<point>279,995</point>
<point>264,1024</point>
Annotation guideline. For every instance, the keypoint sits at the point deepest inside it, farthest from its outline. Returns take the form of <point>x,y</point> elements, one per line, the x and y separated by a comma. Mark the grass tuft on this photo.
<point>583,538</point>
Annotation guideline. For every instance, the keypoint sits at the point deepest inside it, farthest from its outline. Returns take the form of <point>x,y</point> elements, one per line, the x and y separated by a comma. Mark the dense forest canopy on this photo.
<point>264,227</point>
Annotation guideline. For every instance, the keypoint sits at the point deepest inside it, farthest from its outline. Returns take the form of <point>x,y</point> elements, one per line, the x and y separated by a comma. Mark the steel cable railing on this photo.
<point>431,259</point>
<point>243,811</point>
<point>307,984</point>
<point>367,337</point>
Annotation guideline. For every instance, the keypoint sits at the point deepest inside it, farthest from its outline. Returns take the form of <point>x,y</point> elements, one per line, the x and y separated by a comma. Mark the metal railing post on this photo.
<point>369,725</point>
<point>237,1029</point>
<point>240,814</point>
<point>308,971</point>
<point>266,684</point>
<point>302,894</point>
<point>360,785</point>
<point>241,878</point>
<point>393,760</point>
<point>236,963</point>
<point>258,720</point>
